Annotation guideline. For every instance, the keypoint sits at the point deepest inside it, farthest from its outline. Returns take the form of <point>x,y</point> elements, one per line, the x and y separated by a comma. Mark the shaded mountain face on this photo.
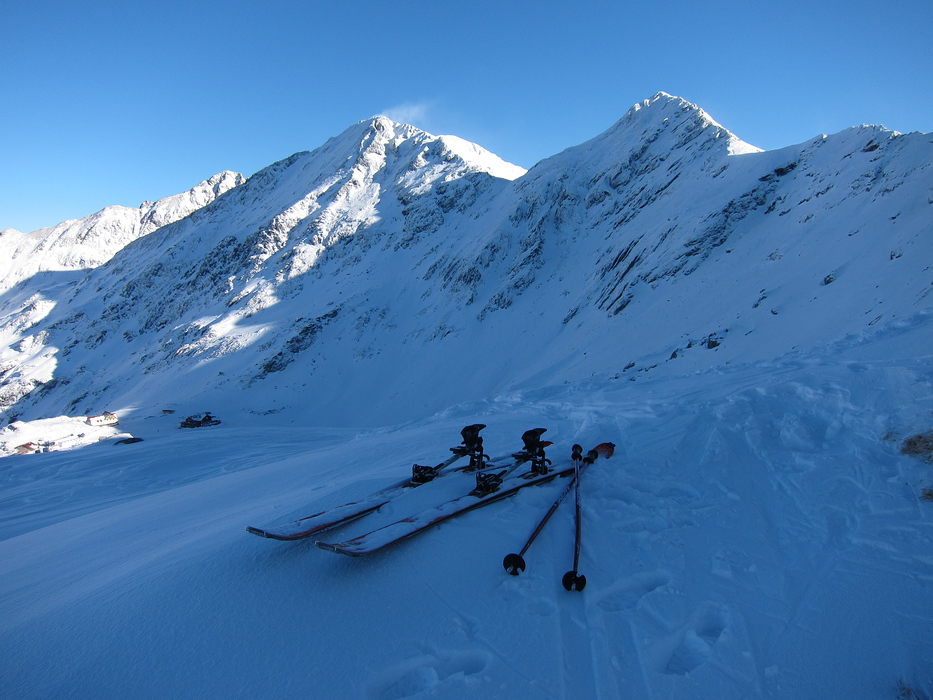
<point>390,274</point>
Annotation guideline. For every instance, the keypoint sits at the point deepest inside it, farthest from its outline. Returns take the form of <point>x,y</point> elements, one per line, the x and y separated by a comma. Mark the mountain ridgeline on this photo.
<point>391,274</point>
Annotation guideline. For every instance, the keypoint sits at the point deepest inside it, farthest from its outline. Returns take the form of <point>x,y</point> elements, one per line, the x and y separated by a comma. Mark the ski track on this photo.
<point>734,531</point>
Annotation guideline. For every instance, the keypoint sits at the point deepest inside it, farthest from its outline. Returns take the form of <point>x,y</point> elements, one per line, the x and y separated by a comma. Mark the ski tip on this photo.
<point>605,449</point>
<point>573,581</point>
<point>514,564</point>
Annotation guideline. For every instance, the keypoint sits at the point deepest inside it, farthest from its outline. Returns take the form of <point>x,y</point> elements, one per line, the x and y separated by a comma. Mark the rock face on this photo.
<point>390,273</point>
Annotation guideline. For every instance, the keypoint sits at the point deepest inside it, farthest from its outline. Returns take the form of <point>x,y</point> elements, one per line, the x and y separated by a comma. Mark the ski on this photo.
<point>472,446</point>
<point>301,528</point>
<point>415,524</point>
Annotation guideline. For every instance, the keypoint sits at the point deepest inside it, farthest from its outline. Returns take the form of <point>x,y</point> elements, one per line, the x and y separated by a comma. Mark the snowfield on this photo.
<point>757,534</point>
<point>751,329</point>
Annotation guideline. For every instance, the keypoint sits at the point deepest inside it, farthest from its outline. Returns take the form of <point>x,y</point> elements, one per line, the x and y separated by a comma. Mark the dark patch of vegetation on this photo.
<point>907,692</point>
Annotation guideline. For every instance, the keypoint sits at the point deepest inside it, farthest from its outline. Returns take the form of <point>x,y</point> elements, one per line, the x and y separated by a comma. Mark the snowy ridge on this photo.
<point>91,241</point>
<point>387,246</point>
<point>750,329</point>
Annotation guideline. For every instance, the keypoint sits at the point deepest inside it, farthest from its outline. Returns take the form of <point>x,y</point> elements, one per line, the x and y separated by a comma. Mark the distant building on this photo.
<point>103,419</point>
<point>29,448</point>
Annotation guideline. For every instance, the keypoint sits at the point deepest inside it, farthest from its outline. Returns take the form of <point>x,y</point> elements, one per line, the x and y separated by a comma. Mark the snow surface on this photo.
<point>753,336</point>
<point>757,534</point>
<point>55,434</point>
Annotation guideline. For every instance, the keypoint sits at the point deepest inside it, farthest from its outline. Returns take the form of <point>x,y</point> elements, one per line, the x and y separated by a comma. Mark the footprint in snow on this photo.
<point>513,591</point>
<point>428,673</point>
<point>692,645</point>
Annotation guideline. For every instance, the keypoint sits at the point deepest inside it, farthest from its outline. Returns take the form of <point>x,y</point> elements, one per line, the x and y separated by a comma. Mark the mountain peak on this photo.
<point>662,105</point>
<point>664,110</point>
<point>661,128</point>
<point>380,135</point>
<point>380,122</point>
<point>92,240</point>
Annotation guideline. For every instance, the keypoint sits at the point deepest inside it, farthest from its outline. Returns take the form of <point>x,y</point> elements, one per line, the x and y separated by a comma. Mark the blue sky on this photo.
<point>116,103</point>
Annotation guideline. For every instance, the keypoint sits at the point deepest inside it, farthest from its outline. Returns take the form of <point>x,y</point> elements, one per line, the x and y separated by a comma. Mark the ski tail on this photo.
<point>605,449</point>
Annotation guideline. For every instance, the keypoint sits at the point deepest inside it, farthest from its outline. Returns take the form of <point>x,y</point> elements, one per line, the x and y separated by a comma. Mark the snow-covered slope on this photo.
<point>86,243</point>
<point>750,328</point>
<point>756,535</point>
<point>392,258</point>
<point>193,291</point>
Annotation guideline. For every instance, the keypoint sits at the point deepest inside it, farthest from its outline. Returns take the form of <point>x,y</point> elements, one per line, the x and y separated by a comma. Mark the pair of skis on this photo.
<point>289,529</point>
<point>472,447</point>
<point>492,485</point>
<point>572,580</point>
<point>481,496</point>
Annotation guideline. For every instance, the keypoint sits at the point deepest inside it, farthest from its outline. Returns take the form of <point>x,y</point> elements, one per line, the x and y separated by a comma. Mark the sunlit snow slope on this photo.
<point>382,276</point>
<point>751,329</point>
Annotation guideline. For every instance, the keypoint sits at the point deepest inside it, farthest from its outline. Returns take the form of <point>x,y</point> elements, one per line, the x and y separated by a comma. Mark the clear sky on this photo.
<point>115,103</point>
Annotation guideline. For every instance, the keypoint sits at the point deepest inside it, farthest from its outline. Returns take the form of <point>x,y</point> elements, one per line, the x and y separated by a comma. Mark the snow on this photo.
<point>55,434</point>
<point>490,162</point>
<point>758,533</point>
<point>92,240</point>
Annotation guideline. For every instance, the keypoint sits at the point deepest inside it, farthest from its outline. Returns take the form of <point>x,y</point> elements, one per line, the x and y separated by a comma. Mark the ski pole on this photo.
<point>573,580</point>
<point>514,563</point>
